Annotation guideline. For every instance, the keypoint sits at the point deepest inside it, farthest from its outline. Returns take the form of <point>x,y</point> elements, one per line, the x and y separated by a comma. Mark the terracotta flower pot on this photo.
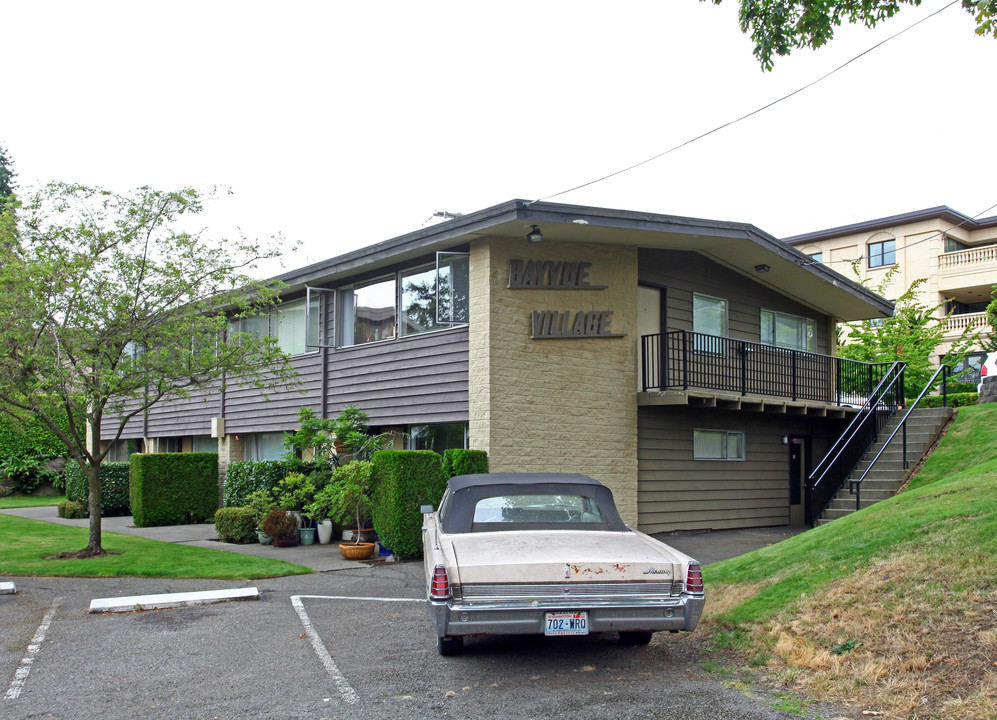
<point>356,551</point>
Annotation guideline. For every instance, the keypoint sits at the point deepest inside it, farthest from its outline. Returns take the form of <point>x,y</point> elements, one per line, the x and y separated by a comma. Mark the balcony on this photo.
<point>968,259</point>
<point>955,325</point>
<point>686,361</point>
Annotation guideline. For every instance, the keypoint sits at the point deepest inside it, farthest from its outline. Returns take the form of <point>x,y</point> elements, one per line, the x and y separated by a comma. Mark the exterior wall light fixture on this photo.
<point>534,235</point>
<point>762,268</point>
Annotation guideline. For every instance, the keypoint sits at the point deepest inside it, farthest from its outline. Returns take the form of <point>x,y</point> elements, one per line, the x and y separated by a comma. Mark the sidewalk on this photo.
<point>707,546</point>
<point>320,558</point>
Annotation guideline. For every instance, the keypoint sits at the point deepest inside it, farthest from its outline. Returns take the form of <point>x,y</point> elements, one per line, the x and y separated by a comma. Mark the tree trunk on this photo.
<point>93,500</point>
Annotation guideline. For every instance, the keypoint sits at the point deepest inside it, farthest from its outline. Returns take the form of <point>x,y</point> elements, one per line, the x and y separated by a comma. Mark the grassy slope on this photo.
<point>20,501</point>
<point>905,591</point>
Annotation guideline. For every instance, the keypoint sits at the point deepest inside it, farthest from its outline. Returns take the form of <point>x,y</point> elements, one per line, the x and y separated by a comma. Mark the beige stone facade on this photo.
<point>954,254</point>
<point>557,404</point>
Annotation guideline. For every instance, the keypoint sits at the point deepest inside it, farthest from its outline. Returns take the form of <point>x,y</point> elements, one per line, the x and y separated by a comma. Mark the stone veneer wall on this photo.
<point>555,405</point>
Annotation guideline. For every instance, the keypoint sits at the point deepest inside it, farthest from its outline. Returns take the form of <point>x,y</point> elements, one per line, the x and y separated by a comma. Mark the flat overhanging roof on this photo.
<point>738,246</point>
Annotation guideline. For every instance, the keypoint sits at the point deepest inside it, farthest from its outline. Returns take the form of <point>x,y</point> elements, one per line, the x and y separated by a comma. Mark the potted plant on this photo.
<point>296,492</point>
<point>282,526</point>
<point>261,503</point>
<point>347,498</point>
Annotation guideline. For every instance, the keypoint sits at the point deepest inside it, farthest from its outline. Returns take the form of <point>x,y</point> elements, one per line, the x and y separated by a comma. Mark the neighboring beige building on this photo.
<point>957,255</point>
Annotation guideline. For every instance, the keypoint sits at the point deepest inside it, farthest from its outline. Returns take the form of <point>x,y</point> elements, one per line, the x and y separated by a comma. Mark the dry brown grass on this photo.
<point>908,646</point>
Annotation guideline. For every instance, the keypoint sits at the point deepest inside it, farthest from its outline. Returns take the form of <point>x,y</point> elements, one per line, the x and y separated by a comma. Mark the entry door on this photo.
<point>650,309</point>
<point>797,480</point>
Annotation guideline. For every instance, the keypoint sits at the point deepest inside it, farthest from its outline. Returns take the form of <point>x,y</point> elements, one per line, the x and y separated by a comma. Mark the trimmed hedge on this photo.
<point>71,510</point>
<point>243,478</point>
<point>954,400</point>
<point>457,461</point>
<point>403,481</point>
<point>113,487</point>
<point>173,488</point>
<point>236,525</point>
<point>28,439</point>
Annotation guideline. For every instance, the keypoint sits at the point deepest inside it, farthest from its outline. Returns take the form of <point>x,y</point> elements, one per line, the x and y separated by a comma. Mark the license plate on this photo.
<point>566,623</point>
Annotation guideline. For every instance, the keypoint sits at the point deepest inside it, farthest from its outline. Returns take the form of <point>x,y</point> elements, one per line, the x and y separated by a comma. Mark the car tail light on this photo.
<point>694,579</point>
<point>440,589</point>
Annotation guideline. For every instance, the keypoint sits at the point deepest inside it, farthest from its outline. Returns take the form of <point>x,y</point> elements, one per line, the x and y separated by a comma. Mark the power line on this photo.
<point>748,115</point>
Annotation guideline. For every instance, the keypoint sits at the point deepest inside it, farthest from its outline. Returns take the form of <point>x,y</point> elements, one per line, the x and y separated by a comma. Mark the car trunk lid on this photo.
<point>564,556</point>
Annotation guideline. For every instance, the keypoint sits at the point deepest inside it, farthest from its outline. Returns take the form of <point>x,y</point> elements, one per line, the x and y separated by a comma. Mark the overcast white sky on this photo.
<point>346,123</point>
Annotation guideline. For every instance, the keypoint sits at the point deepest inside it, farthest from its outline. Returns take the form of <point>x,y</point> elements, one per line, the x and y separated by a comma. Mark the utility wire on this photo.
<point>750,114</point>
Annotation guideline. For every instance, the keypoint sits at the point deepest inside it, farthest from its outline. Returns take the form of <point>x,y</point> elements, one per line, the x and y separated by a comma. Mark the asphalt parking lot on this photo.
<point>353,643</point>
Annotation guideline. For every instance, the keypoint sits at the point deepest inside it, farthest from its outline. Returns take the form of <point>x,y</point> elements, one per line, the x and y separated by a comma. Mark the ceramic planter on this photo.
<point>357,551</point>
<point>307,536</point>
<point>325,532</point>
<point>264,538</point>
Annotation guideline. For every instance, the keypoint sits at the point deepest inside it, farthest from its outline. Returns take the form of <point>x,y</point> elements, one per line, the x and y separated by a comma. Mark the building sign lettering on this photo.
<point>556,324</point>
<point>561,275</point>
<point>554,274</point>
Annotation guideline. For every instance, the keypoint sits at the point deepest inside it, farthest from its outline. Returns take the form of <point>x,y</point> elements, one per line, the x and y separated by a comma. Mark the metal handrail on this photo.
<point>855,485</point>
<point>887,386</point>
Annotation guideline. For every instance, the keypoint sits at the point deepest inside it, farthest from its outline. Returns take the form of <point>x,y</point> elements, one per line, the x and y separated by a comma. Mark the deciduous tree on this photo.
<point>780,26</point>
<point>107,307</point>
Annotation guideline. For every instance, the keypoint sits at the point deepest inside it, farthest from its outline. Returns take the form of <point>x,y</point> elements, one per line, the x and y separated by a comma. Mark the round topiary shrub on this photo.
<point>71,510</point>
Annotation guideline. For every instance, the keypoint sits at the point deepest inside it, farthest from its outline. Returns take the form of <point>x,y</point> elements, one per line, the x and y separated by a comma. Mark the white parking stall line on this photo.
<point>24,669</point>
<point>346,691</point>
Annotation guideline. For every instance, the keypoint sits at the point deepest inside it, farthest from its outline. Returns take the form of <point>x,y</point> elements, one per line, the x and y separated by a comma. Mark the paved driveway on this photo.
<point>303,651</point>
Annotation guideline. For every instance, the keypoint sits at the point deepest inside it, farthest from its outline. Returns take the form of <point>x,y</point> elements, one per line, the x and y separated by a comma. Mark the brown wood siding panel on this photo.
<point>191,416</point>
<point>676,492</point>
<point>249,410</point>
<point>409,381</point>
<point>686,273</point>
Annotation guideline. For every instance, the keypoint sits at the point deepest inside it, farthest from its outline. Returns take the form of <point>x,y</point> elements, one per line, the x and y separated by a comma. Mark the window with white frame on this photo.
<point>717,445</point>
<point>419,297</point>
<point>288,323</point>
<point>787,331</point>
<point>709,317</point>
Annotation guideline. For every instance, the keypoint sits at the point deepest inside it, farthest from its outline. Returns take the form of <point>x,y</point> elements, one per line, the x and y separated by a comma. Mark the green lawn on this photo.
<point>20,501</point>
<point>26,543</point>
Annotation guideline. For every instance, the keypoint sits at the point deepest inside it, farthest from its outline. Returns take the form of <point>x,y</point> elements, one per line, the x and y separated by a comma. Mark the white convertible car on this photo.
<point>548,553</point>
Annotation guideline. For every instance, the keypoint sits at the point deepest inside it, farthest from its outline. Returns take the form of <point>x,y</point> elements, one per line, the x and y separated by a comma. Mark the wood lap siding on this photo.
<point>676,492</point>
<point>687,273</point>
<point>410,381</point>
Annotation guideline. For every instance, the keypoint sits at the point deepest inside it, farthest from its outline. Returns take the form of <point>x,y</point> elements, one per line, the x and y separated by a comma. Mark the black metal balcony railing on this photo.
<point>681,360</point>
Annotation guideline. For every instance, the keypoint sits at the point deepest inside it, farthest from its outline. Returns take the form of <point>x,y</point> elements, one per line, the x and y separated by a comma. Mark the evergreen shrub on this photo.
<point>236,524</point>
<point>245,478</point>
<point>113,487</point>
<point>457,461</point>
<point>71,510</point>
<point>954,400</point>
<point>404,480</point>
<point>173,488</point>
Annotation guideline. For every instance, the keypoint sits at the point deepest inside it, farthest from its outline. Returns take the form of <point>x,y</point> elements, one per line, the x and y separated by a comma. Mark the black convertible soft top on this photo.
<point>464,491</point>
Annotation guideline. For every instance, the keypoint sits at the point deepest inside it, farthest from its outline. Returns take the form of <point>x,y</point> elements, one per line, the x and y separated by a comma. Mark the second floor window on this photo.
<point>787,331</point>
<point>709,317</point>
<point>286,322</point>
<point>882,253</point>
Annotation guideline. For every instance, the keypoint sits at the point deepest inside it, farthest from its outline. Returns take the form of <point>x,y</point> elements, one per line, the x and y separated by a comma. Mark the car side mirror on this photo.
<point>426,509</point>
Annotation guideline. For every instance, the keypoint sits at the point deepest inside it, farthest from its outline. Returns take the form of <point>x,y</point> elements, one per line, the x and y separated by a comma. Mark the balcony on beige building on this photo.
<point>955,324</point>
<point>969,259</point>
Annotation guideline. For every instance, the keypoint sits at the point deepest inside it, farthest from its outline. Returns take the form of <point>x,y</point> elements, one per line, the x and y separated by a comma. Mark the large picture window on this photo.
<point>882,253</point>
<point>419,301</point>
<point>787,331</point>
<point>374,312</point>
<point>288,323</point>
<point>717,445</point>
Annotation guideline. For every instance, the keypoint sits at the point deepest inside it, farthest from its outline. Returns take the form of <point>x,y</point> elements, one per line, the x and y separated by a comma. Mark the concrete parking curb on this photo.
<point>171,600</point>
<point>7,588</point>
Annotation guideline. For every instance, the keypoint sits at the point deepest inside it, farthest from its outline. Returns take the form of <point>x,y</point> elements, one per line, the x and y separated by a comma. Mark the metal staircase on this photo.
<point>890,471</point>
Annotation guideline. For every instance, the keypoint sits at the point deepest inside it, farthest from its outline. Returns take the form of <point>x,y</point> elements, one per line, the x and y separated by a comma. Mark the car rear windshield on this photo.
<point>551,510</point>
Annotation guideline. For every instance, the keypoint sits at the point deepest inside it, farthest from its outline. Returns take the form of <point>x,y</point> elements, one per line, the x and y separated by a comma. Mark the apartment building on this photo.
<point>956,254</point>
<point>688,364</point>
